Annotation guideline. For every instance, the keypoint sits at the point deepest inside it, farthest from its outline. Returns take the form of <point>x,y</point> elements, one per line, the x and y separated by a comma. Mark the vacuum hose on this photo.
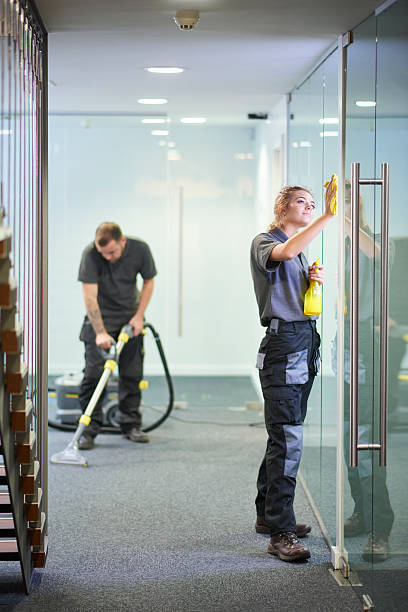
<point>165,415</point>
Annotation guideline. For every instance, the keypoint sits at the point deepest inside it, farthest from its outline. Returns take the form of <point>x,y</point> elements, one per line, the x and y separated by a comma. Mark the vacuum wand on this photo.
<point>71,455</point>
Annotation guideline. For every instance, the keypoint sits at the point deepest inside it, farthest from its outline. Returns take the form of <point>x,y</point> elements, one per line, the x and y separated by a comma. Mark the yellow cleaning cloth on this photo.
<point>333,203</point>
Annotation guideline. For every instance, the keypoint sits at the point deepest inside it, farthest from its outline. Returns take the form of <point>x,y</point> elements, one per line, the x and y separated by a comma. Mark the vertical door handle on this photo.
<point>354,290</point>
<point>356,181</point>
<point>385,213</point>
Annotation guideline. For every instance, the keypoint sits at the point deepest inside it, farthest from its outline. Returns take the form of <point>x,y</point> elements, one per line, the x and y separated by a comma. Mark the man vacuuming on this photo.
<point>108,272</point>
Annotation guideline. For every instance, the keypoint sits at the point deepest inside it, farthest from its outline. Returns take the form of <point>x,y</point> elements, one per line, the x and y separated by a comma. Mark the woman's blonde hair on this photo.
<point>281,204</point>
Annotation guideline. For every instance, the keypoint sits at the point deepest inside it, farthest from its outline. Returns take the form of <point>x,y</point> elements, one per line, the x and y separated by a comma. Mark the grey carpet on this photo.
<point>170,525</point>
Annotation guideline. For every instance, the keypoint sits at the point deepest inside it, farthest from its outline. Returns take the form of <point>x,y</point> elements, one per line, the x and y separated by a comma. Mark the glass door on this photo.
<point>390,577</point>
<point>313,158</point>
<point>376,320</point>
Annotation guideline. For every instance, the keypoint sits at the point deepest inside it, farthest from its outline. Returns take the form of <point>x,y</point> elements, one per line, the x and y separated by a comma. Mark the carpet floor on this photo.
<point>169,525</point>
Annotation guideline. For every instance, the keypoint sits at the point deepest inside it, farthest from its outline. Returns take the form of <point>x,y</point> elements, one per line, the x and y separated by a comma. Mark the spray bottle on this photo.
<point>313,296</point>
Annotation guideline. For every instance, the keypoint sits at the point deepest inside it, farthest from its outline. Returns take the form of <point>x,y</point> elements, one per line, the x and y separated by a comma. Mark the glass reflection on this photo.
<point>377,522</point>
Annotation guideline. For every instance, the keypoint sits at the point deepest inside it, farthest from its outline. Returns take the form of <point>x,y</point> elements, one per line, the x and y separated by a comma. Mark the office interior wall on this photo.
<point>112,168</point>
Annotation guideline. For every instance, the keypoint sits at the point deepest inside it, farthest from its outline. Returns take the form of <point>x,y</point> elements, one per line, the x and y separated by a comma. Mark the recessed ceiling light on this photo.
<point>365,103</point>
<point>152,101</point>
<point>154,120</point>
<point>159,133</point>
<point>329,121</point>
<point>296,144</point>
<point>193,120</point>
<point>171,144</point>
<point>165,69</point>
<point>328,133</point>
<point>305,144</point>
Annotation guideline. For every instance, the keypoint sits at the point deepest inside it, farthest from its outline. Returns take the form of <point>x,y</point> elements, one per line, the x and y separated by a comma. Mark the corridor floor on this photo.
<point>170,525</point>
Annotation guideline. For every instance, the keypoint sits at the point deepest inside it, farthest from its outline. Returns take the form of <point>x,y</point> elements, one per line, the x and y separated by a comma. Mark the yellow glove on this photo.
<point>333,203</point>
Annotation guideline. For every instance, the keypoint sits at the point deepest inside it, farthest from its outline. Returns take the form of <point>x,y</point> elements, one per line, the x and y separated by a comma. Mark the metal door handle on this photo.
<point>356,181</point>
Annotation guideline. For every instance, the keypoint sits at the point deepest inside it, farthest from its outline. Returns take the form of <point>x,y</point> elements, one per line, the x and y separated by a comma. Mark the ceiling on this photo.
<point>241,57</point>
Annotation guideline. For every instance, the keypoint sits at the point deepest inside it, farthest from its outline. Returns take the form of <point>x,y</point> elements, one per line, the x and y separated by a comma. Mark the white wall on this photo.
<point>105,168</point>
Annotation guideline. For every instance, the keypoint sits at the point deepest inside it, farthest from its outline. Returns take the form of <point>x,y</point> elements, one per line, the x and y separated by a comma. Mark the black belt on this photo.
<point>276,325</point>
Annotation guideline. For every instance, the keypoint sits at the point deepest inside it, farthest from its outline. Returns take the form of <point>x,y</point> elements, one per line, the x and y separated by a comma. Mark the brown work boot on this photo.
<point>287,547</point>
<point>377,549</point>
<point>135,435</point>
<point>261,526</point>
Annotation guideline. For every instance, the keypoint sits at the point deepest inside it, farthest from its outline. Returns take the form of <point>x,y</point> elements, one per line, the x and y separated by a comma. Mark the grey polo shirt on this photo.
<point>280,286</point>
<point>118,296</point>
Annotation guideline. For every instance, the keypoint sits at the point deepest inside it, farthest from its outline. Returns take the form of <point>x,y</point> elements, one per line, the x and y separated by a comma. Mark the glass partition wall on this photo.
<point>377,134</point>
<point>313,153</point>
<point>185,190</point>
<point>374,355</point>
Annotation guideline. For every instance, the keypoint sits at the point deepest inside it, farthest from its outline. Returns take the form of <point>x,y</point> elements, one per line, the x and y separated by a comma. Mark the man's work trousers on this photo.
<point>288,361</point>
<point>130,375</point>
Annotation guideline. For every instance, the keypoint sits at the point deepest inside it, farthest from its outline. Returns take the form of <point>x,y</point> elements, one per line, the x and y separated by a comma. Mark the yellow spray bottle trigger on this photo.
<point>333,202</point>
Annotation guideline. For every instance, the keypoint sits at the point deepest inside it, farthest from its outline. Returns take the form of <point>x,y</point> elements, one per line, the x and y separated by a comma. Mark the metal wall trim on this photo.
<point>342,64</point>
<point>384,7</point>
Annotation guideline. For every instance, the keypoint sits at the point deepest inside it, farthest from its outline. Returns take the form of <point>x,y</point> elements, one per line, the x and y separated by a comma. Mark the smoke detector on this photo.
<point>186,20</point>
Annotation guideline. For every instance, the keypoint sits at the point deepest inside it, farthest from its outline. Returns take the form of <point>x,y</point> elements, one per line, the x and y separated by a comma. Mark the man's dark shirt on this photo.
<point>118,296</point>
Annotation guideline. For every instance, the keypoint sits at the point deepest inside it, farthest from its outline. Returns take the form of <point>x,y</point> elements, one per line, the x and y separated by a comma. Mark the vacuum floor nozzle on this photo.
<point>69,456</point>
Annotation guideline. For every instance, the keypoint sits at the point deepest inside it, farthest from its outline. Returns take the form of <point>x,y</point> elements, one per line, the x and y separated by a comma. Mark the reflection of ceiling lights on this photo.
<point>243,156</point>
<point>154,120</point>
<point>365,103</point>
<point>152,101</point>
<point>328,133</point>
<point>165,69</point>
<point>159,133</point>
<point>305,144</point>
<point>329,121</point>
<point>173,155</point>
<point>6,132</point>
<point>162,143</point>
<point>295,145</point>
<point>171,144</point>
<point>193,120</point>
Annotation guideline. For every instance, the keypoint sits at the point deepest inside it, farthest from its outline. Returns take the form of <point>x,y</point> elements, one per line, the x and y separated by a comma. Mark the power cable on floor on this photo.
<point>222,423</point>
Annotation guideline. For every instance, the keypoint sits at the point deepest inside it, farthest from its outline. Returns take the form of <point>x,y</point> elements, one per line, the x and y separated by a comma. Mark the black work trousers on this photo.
<point>130,375</point>
<point>288,361</point>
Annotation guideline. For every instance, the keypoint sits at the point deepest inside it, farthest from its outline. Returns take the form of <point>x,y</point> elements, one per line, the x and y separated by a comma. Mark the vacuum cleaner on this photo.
<point>69,410</point>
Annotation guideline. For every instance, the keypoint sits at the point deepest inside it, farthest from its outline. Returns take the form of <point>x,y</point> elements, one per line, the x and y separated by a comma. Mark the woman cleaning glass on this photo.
<point>288,358</point>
